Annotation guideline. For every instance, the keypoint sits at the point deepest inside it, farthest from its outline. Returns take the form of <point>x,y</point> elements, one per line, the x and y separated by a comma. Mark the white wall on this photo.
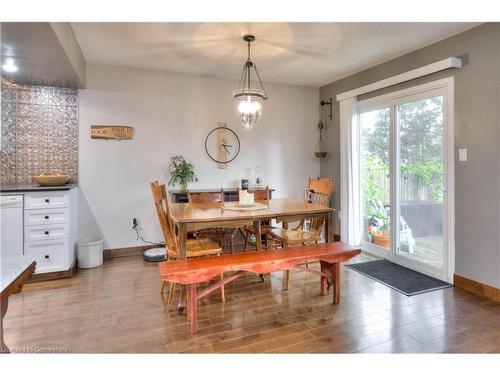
<point>172,113</point>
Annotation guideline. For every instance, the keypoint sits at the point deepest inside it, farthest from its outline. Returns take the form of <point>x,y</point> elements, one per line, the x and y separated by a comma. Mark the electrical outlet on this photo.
<point>134,223</point>
<point>462,154</point>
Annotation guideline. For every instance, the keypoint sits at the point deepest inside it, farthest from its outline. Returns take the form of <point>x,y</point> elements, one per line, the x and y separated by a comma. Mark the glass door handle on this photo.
<point>445,181</point>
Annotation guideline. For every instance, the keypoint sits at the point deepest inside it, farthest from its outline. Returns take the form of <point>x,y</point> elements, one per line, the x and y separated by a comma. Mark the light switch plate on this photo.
<point>462,154</point>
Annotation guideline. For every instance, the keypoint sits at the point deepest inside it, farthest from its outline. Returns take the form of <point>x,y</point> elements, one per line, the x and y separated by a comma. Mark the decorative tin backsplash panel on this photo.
<point>39,132</point>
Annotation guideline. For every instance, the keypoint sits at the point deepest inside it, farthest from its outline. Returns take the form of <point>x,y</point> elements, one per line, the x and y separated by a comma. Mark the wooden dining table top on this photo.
<point>205,212</point>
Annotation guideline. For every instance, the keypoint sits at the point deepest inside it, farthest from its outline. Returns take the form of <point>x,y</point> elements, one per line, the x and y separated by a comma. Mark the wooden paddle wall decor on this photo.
<point>111,132</point>
<point>221,137</point>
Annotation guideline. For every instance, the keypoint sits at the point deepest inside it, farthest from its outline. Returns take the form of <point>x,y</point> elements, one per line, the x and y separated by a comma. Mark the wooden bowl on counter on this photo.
<point>55,179</point>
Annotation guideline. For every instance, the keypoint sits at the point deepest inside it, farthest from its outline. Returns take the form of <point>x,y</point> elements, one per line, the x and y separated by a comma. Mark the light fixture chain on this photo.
<point>243,78</point>
<point>260,81</point>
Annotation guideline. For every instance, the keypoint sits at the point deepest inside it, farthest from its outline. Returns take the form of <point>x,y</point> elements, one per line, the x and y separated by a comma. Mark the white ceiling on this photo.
<point>298,53</point>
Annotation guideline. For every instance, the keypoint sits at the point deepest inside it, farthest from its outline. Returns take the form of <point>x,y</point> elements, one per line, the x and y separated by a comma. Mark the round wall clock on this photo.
<point>222,145</point>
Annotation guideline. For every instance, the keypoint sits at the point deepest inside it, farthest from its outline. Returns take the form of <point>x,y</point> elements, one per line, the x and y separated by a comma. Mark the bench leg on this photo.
<point>336,283</point>
<point>324,280</point>
<point>334,269</point>
<point>193,306</point>
<point>188,305</point>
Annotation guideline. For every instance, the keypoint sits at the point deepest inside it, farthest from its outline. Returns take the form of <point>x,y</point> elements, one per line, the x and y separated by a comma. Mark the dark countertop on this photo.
<point>226,190</point>
<point>19,188</point>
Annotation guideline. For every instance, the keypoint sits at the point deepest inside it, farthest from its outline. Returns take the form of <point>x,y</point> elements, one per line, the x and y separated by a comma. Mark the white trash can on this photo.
<point>89,252</point>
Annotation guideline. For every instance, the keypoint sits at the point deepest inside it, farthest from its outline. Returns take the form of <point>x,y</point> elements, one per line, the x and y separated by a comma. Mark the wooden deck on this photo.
<point>118,308</point>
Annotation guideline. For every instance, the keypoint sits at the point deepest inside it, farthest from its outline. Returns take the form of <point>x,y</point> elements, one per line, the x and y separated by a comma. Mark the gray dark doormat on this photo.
<point>399,278</point>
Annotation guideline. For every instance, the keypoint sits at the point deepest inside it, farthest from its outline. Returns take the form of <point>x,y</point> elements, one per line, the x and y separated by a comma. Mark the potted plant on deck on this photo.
<point>382,236</point>
<point>181,172</point>
<point>379,226</point>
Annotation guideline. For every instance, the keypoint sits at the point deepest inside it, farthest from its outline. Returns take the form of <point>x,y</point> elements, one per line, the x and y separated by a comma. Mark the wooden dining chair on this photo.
<point>260,196</point>
<point>224,236</point>
<point>321,185</point>
<point>206,197</point>
<point>319,191</point>
<point>196,248</point>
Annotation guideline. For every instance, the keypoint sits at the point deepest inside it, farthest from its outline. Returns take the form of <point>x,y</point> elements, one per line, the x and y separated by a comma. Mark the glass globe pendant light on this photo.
<point>249,100</point>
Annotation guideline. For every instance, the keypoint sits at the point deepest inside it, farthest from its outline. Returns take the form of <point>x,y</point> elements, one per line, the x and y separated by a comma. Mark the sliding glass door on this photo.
<point>375,184</point>
<point>405,160</point>
<point>421,180</point>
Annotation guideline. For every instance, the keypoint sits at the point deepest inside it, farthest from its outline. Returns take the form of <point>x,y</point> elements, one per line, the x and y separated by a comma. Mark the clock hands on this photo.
<point>225,147</point>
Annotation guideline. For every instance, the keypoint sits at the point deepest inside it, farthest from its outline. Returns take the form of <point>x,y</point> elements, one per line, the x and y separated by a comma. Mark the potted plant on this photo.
<point>382,236</point>
<point>181,172</point>
<point>379,224</point>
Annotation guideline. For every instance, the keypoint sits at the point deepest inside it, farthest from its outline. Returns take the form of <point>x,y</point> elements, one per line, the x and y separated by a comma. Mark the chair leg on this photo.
<point>246,242</point>
<point>286,279</point>
<point>275,244</point>
<point>163,282</point>
<point>222,292</point>
<point>170,297</point>
<point>286,274</point>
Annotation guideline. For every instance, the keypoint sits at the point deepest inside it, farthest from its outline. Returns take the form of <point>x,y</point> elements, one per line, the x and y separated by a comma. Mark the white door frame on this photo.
<point>444,87</point>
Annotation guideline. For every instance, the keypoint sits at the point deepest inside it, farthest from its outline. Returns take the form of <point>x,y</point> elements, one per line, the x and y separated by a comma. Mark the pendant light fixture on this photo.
<point>249,100</point>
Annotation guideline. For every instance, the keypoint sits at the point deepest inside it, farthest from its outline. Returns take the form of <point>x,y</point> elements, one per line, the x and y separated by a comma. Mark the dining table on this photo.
<point>189,217</point>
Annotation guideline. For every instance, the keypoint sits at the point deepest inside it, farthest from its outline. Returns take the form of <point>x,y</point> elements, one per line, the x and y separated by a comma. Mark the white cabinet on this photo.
<point>50,256</point>
<point>46,199</point>
<point>46,232</point>
<point>46,216</point>
<point>50,228</point>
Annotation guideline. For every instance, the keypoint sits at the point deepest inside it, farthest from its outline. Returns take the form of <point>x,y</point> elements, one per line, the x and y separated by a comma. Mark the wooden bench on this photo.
<point>193,271</point>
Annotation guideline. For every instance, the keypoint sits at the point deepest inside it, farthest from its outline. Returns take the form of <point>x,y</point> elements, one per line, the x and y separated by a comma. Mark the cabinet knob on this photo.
<point>47,200</point>
<point>46,256</point>
<point>47,217</point>
<point>46,232</point>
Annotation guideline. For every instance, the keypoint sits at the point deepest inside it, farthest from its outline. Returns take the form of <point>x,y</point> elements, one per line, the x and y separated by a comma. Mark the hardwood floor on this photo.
<point>118,308</point>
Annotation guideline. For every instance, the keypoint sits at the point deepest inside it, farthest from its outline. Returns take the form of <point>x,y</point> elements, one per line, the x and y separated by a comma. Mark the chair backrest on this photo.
<point>167,226</point>
<point>319,191</point>
<point>260,195</point>
<point>205,197</point>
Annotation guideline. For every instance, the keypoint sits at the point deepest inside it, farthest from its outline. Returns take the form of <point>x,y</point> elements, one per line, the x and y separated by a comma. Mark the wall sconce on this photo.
<point>330,104</point>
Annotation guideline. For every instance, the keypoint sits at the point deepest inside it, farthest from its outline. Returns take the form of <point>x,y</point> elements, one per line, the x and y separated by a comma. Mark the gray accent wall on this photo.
<point>477,128</point>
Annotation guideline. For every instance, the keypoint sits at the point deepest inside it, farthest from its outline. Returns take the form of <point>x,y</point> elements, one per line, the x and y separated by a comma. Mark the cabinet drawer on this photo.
<point>50,256</point>
<point>46,200</point>
<point>45,232</point>
<point>46,216</point>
